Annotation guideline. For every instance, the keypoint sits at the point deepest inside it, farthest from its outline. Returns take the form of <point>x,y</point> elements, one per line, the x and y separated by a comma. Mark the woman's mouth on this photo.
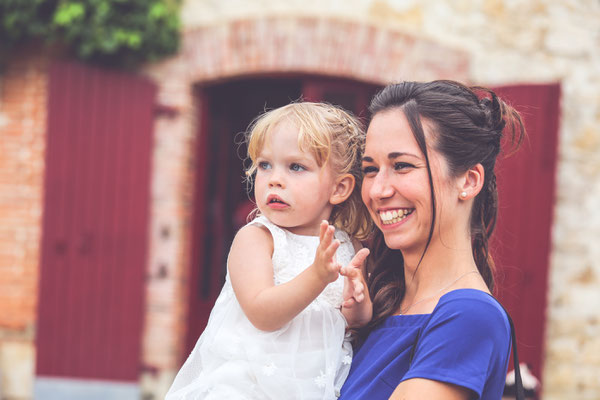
<point>389,217</point>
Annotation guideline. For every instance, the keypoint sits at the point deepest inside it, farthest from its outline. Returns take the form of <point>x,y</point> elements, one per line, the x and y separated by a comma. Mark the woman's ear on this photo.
<point>471,182</point>
<point>344,184</point>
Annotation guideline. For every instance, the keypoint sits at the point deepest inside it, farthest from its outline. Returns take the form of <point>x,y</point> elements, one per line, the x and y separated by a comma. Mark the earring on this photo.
<point>463,195</point>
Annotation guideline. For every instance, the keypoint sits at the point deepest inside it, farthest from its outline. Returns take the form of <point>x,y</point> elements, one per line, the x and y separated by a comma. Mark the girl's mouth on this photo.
<point>275,201</point>
<point>389,217</point>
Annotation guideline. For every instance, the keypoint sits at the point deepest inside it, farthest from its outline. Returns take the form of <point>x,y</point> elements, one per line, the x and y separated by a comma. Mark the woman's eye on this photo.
<point>399,166</point>
<point>297,167</point>
<point>264,165</point>
<point>369,170</point>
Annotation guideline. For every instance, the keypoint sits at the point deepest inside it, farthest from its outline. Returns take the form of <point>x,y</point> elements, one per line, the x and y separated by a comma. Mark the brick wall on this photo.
<point>23,86</point>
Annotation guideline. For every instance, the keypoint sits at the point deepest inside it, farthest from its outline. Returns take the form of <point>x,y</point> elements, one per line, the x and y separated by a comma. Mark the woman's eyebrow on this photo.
<point>391,156</point>
<point>397,154</point>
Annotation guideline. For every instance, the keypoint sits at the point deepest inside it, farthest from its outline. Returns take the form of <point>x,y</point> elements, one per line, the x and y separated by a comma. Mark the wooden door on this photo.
<point>94,243</point>
<point>351,95</point>
<point>522,244</point>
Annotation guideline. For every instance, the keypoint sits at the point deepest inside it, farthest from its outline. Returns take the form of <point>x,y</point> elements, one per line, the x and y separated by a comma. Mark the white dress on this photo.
<point>308,358</point>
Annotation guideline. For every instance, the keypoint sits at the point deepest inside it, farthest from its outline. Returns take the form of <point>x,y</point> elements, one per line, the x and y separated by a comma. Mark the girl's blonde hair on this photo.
<point>335,137</point>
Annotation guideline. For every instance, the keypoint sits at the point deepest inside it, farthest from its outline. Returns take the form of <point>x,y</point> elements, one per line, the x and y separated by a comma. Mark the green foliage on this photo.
<point>113,32</point>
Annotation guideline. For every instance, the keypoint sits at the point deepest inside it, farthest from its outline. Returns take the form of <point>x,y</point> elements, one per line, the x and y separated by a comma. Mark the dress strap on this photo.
<point>519,392</point>
<point>277,233</point>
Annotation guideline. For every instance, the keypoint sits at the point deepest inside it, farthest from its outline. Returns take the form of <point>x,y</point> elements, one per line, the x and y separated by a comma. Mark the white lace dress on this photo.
<point>308,358</point>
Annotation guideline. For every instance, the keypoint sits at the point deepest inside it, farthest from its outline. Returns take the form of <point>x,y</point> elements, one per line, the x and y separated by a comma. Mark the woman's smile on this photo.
<point>394,216</point>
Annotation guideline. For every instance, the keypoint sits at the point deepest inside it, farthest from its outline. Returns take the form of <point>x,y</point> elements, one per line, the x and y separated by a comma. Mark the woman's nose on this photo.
<point>381,188</point>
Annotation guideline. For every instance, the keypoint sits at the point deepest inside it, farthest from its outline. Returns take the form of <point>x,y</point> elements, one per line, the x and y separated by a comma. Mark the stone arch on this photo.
<point>315,45</point>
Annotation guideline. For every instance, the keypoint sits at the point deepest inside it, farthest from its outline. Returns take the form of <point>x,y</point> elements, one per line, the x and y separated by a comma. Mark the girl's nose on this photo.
<point>275,179</point>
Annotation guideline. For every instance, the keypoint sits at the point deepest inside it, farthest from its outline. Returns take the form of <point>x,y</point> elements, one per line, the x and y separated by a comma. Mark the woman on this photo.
<point>430,187</point>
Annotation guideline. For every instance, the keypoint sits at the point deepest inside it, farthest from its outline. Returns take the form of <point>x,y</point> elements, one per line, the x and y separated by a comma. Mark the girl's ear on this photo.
<point>344,184</point>
<point>470,184</point>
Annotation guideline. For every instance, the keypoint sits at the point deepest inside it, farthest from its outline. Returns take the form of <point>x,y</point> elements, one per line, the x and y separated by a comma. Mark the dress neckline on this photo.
<point>445,297</point>
<point>307,237</point>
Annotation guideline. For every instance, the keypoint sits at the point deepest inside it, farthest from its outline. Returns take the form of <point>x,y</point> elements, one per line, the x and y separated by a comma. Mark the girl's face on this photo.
<point>396,188</point>
<point>291,190</point>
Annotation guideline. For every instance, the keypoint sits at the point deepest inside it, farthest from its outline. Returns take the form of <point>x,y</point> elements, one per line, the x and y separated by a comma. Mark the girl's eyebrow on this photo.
<point>391,156</point>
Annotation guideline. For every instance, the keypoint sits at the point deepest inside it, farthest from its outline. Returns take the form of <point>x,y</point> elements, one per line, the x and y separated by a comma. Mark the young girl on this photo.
<point>277,330</point>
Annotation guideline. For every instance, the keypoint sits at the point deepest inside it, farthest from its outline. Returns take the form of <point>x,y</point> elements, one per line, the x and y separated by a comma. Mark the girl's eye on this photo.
<point>399,166</point>
<point>264,165</point>
<point>297,167</point>
<point>369,169</point>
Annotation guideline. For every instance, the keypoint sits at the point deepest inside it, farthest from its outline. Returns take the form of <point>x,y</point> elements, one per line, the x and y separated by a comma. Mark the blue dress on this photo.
<point>464,341</point>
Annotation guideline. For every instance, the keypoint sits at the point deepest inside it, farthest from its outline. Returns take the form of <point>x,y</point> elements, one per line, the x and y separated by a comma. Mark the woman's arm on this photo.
<point>269,306</point>
<point>417,389</point>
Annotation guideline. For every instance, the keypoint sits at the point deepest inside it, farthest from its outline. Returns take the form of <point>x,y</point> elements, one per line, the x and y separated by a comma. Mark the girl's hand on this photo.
<point>325,264</point>
<point>355,287</point>
<point>357,307</point>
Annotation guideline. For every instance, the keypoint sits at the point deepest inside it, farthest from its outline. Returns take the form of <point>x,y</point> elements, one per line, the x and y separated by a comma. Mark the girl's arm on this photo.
<point>415,389</point>
<point>357,307</point>
<point>269,306</point>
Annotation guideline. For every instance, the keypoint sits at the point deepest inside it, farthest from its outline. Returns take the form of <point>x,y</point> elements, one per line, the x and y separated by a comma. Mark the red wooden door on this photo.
<point>94,242</point>
<point>521,249</point>
<point>353,96</point>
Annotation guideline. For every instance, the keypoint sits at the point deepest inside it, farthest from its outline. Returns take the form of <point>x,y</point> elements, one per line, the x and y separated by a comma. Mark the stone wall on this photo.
<point>511,41</point>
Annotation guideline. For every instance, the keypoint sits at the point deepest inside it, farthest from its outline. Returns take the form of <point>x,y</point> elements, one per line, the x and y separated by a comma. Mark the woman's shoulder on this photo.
<point>471,306</point>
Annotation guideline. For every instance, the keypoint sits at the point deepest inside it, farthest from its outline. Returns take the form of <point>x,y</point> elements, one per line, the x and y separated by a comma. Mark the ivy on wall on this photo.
<point>122,33</point>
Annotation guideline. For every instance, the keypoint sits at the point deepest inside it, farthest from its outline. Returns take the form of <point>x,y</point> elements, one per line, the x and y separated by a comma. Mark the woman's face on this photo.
<point>396,187</point>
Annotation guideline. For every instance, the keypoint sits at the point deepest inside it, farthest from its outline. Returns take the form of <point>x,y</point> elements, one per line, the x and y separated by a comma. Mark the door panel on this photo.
<point>94,243</point>
<point>522,243</point>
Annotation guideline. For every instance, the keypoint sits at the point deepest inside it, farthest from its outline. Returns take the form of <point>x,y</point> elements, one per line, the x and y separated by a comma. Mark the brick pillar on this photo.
<point>23,93</point>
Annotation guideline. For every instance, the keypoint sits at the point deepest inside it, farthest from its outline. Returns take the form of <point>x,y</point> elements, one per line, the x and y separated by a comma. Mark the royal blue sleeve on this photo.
<point>466,342</point>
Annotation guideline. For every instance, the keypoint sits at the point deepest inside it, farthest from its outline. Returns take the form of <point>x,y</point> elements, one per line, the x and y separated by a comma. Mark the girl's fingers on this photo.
<point>358,288</point>
<point>349,272</point>
<point>326,234</point>
<point>330,250</point>
<point>322,229</point>
<point>348,303</point>
<point>359,258</point>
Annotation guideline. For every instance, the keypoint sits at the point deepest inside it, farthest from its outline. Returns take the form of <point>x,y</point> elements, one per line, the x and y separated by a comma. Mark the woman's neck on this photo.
<point>440,265</point>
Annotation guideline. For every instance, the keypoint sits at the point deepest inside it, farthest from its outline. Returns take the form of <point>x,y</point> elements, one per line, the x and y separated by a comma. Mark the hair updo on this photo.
<point>468,126</point>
